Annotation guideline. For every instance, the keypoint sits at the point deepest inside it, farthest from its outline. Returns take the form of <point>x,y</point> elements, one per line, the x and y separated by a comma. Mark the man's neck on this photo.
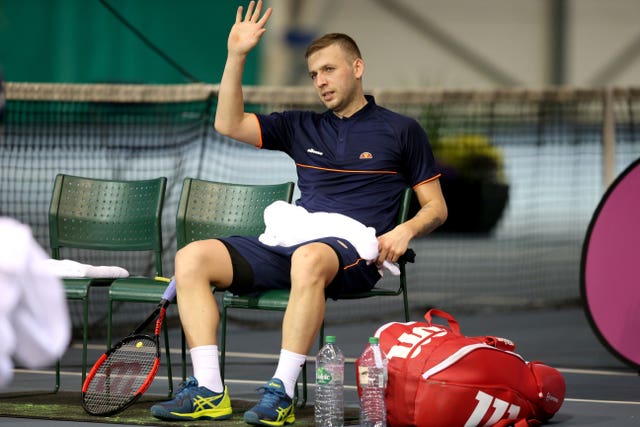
<point>352,109</point>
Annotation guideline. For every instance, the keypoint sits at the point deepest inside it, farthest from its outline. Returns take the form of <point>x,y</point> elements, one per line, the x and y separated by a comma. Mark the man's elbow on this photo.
<point>221,127</point>
<point>444,216</point>
<point>443,213</point>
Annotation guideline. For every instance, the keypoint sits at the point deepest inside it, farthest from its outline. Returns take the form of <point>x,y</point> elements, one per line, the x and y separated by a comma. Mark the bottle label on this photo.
<point>365,379</point>
<point>323,376</point>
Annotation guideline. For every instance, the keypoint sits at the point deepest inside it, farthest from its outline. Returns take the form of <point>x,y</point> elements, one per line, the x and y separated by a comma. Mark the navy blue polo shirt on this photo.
<point>357,166</point>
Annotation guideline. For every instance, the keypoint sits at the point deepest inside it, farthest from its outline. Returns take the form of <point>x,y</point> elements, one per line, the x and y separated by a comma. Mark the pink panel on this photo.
<point>612,267</point>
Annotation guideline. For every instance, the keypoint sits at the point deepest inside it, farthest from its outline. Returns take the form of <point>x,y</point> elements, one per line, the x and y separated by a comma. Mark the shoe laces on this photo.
<point>186,385</point>
<point>271,396</point>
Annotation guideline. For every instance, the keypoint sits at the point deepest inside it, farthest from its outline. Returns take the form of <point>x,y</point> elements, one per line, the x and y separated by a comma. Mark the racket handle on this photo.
<point>170,293</point>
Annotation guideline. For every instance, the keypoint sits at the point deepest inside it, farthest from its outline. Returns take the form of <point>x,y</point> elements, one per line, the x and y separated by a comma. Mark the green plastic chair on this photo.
<point>209,209</point>
<point>277,299</point>
<point>105,215</point>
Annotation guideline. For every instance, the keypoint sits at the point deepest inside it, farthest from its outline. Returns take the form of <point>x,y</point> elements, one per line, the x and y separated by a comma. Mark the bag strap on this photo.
<point>453,323</point>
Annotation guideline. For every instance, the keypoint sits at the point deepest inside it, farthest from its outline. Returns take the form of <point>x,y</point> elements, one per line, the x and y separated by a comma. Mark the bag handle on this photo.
<point>453,323</point>
<point>500,343</point>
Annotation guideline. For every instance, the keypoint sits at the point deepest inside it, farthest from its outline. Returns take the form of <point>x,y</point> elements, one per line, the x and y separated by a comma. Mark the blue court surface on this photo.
<point>601,390</point>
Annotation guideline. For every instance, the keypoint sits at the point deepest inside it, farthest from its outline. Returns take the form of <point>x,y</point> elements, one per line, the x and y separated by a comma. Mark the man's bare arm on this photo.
<point>231,119</point>
<point>432,214</point>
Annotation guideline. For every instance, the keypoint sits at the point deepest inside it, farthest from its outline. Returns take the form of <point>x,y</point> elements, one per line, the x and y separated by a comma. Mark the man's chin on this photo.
<point>331,104</point>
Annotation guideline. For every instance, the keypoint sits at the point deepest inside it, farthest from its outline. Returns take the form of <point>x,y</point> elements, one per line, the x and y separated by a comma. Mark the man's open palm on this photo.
<point>246,33</point>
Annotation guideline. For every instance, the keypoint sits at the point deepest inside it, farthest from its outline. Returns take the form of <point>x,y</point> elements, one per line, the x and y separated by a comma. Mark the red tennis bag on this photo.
<point>441,378</point>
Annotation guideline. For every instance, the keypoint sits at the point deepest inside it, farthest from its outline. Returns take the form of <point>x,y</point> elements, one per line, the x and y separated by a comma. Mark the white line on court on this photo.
<point>606,402</point>
<point>270,356</point>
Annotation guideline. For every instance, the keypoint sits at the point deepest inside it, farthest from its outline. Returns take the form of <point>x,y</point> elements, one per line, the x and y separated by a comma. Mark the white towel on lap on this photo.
<point>74,269</point>
<point>288,225</point>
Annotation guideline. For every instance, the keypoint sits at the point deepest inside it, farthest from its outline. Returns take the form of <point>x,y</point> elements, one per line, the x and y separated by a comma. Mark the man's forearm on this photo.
<point>431,216</point>
<point>230,108</point>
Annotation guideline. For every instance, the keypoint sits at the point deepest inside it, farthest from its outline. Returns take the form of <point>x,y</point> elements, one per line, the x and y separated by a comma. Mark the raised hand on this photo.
<point>246,33</point>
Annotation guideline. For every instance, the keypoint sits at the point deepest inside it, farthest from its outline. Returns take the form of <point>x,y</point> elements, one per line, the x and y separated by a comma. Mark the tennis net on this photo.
<point>524,171</point>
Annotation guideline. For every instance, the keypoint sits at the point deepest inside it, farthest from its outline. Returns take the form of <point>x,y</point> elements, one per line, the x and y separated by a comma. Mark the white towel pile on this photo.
<point>288,225</point>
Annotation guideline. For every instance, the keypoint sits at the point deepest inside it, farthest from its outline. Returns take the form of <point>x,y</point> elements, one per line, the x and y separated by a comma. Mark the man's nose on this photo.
<point>321,81</point>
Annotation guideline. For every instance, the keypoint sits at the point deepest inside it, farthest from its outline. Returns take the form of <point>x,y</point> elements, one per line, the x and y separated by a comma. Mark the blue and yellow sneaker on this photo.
<point>274,409</point>
<point>194,403</point>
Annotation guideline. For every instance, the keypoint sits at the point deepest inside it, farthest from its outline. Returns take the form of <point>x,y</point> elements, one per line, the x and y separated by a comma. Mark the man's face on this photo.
<point>335,77</point>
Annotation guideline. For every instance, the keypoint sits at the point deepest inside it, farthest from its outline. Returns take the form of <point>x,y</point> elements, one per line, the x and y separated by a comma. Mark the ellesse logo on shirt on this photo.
<point>366,155</point>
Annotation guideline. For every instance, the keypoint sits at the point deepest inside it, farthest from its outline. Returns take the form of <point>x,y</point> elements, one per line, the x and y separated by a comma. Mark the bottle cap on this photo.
<point>374,340</point>
<point>330,339</point>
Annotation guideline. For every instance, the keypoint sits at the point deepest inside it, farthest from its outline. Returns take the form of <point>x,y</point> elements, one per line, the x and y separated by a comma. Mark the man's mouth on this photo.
<point>327,96</point>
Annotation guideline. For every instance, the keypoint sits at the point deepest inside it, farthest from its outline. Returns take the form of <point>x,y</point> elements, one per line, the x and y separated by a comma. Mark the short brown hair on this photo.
<point>346,43</point>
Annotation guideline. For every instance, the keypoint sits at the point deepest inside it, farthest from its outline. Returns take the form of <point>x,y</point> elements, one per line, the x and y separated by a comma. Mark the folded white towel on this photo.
<point>288,225</point>
<point>74,269</point>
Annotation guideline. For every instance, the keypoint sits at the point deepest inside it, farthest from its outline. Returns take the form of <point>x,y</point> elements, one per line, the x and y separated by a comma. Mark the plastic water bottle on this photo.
<point>372,378</point>
<point>329,401</point>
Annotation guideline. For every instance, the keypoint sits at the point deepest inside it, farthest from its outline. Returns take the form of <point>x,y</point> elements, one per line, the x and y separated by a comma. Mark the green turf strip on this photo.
<point>68,406</point>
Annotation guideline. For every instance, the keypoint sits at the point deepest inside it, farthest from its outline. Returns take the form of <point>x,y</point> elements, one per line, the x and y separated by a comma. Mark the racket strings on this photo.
<point>121,375</point>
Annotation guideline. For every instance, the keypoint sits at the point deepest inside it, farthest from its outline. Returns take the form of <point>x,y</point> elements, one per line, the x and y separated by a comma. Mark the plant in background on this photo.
<point>473,180</point>
<point>469,156</point>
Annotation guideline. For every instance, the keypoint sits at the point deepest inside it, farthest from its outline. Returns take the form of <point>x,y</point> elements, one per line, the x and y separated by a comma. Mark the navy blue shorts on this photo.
<point>258,267</point>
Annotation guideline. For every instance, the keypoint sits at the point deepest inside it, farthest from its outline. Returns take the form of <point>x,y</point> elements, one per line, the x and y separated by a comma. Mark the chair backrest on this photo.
<point>113,215</point>
<point>210,209</point>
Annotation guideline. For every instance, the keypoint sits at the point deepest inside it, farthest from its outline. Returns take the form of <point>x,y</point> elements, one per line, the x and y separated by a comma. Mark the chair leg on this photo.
<point>168,351</point>
<point>223,341</point>
<point>405,297</point>
<point>57,386</point>
<point>183,350</point>
<point>321,336</point>
<point>109,319</point>
<point>304,386</point>
<point>85,335</point>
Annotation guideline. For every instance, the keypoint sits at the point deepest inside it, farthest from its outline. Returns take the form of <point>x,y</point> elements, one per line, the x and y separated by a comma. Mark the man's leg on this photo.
<point>313,267</point>
<point>197,266</point>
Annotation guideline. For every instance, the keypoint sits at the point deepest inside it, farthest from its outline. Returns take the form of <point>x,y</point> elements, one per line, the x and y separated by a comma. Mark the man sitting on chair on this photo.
<point>354,159</point>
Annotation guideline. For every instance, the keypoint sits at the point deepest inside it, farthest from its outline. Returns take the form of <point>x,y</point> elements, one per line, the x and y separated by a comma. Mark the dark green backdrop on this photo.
<point>80,41</point>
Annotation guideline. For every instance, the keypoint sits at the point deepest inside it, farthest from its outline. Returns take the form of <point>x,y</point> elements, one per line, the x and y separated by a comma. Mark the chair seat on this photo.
<point>137,289</point>
<point>78,288</point>
<point>374,292</point>
<point>274,299</point>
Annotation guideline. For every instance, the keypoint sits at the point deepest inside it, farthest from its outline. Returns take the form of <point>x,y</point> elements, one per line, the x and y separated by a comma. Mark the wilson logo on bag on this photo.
<point>441,378</point>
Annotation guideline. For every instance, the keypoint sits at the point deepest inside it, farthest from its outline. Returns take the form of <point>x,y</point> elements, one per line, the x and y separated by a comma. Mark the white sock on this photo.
<point>288,370</point>
<point>206,367</point>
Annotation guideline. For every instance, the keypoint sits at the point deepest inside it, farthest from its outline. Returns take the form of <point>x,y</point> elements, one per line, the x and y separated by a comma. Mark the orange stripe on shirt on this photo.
<point>427,180</point>
<point>346,170</point>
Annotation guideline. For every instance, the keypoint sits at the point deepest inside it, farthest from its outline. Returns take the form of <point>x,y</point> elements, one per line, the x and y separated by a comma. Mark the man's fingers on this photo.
<point>239,14</point>
<point>265,17</point>
<point>247,17</point>
<point>256,13</point>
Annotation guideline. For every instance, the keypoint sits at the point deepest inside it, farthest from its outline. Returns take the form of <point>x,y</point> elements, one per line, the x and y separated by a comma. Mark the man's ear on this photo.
<point>358,68</point>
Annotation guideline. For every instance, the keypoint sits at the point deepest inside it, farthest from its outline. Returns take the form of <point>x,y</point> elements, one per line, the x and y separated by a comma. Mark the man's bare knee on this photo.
<point>204,260</point>
<point>314,262</point>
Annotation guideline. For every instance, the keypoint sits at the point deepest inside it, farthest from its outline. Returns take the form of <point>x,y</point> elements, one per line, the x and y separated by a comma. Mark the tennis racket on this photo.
<point>125,372</point>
